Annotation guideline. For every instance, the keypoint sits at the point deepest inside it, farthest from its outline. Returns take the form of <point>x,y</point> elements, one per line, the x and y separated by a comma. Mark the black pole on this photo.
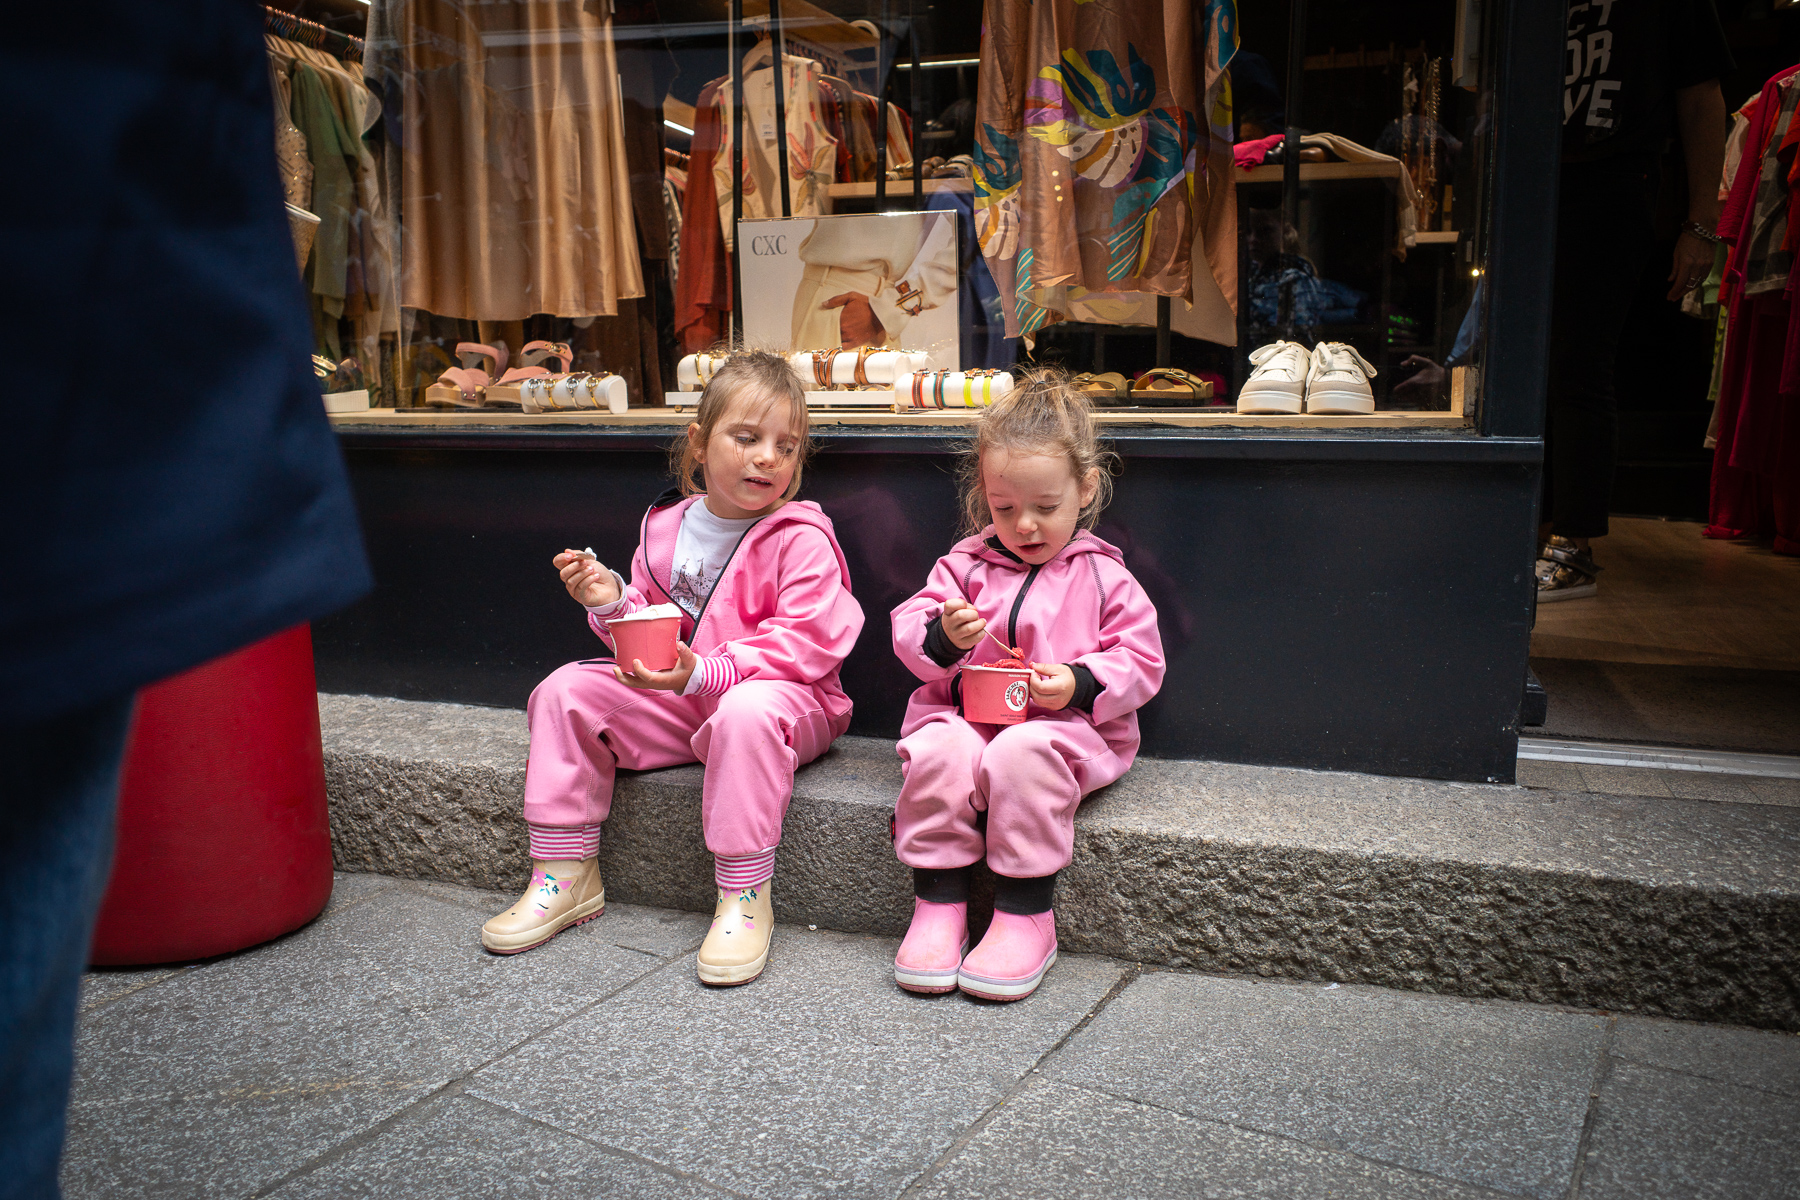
<point>912,105</point>
<point>881,91</point>
<point>737,163</point>
<point>1290,150</point>
<point>1162,330</point>
<point>781,146</point>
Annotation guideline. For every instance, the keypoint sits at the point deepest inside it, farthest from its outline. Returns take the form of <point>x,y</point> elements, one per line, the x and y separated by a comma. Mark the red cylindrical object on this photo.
<point>224,838</point>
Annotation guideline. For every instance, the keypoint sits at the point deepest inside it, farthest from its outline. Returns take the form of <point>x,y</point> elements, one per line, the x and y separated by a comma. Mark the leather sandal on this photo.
<point>1167,387</point>
<point>1107,389</point>
<point>504,392</point>
<point>462,387</point>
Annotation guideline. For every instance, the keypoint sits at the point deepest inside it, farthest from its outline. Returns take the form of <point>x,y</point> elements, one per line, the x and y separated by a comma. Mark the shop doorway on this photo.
<point>1689,642</point>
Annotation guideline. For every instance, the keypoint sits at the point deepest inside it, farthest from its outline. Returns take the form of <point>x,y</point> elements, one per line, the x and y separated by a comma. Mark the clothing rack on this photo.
<point>311,33</point>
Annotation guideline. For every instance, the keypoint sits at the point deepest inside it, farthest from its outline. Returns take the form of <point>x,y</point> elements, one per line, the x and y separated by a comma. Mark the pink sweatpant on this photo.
<point>1030,778</point>
<point>585,725</point>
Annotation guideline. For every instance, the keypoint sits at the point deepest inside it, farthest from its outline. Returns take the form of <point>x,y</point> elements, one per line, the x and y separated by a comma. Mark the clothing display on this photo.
<point>514,191</point>
<point>1092,164</point>
<point>1756,459</point>
<point>831,131</point>
<point>324,112</point>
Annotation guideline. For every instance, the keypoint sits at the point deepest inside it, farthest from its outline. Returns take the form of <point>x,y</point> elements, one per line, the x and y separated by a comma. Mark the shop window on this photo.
<point>548,211</point>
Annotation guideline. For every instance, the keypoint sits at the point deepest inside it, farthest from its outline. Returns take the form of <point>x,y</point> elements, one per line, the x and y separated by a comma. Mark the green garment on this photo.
<point>333,149</point>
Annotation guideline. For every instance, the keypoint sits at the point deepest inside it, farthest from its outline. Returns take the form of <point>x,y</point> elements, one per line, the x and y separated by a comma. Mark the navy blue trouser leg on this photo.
<point>59,788</point>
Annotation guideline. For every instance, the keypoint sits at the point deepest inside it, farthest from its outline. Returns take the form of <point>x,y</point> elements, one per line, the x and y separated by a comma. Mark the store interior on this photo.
<point>1690,640</point>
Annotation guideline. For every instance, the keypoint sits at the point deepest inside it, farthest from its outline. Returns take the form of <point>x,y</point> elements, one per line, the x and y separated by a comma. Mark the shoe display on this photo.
<point>933,951</point>
<point>1278,384</point>
<point>1012,958</point>
<point>560,894</point>
<point>462,387</point>
<point>737,946</point>
<point>1338,381</point>
<point>1565,571</point>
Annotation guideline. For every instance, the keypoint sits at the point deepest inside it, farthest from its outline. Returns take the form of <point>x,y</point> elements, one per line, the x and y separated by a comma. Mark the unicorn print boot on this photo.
<point>737,947</point>
<point>560,894</point>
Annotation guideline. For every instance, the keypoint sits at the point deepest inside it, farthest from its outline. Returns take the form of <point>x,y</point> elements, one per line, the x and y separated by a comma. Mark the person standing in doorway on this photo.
<point>1635,73</point>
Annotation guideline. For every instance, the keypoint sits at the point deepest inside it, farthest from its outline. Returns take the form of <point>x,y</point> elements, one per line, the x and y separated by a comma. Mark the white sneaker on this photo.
<point>1278,385</point>
<point>1339,380</point>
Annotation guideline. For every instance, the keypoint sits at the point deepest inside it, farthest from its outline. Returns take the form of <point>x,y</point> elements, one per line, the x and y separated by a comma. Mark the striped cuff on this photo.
<point>743,870</point>
<point>712,677</point>
<point>564,843</point>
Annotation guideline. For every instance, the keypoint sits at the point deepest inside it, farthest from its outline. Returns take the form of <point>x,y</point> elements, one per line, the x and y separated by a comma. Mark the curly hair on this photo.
<point>1043,414</point>
<point>752,375</point>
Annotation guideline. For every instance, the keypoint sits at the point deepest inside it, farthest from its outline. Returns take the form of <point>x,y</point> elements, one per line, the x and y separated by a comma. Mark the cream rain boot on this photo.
<point>561,894</point>
<point>737,946</point>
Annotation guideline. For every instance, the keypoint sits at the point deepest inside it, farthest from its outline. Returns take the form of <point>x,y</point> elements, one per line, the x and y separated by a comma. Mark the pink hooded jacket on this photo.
<point>781,609</point>
<point>1083,606</point>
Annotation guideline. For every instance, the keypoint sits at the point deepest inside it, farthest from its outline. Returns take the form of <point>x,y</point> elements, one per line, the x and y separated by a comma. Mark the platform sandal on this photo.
<point>462,387</point>
<point>505,391</point>
<point>1167,387</point>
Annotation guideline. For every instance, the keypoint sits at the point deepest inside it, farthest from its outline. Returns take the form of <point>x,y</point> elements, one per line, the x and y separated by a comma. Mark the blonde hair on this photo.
<point>1043,414</point>
<point>746,374</point>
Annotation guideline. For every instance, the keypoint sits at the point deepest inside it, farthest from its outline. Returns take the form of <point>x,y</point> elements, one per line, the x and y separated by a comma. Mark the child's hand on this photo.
<point>1052,685</point>
<point>672,680</point>
<point>587,578</point>
<point>962,624</point>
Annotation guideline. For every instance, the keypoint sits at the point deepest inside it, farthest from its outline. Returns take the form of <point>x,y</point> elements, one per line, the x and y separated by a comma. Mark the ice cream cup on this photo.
<point>650,641</point>
<point>995,695</point>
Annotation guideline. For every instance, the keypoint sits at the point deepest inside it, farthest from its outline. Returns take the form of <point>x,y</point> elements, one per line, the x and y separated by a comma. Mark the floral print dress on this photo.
<point>1099,130</point>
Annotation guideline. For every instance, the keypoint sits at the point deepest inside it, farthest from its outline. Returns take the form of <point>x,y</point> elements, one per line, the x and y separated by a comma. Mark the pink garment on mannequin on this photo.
<point>1083,606</point>
<point>585,725</point>
<point>782,614</point>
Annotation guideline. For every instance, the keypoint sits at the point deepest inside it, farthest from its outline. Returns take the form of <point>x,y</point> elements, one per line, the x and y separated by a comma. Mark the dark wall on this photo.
<point>1356,613</point>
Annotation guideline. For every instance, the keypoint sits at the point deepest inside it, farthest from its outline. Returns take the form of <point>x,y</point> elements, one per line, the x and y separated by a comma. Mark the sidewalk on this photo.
<point>380,1052</point>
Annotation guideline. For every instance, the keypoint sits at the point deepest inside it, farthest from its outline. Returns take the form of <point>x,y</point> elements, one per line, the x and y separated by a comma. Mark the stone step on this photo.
<point>1686,908</point>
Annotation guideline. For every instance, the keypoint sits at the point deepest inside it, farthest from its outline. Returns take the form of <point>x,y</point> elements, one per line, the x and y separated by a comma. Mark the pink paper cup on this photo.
<point>652,642</point>
<point>995,695</point>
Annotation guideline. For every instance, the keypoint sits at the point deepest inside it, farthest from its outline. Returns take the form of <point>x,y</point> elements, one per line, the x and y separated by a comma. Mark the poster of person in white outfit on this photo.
<point>866,279</point>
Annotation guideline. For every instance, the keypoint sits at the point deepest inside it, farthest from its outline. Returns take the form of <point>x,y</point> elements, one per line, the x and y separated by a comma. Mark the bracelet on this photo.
<point>862,363</point>
<point>821,365</point>
<point>1701,231</point>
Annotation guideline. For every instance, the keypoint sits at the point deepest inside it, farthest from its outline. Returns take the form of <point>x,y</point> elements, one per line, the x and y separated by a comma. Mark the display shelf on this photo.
<point>1324,172</point>
<point>896,188</point>
<point>1189,419</point>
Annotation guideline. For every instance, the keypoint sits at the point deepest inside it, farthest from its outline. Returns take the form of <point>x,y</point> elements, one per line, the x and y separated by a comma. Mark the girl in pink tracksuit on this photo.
<point>1035,577</point>
<point>767,618</point>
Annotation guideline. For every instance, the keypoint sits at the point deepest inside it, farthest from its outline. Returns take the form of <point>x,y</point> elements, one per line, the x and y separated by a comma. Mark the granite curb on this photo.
<point>1684,908</point>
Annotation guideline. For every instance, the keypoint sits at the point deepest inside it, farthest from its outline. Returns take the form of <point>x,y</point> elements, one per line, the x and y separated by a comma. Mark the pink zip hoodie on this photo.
<point>1082,607</point>
<point>781,609</point>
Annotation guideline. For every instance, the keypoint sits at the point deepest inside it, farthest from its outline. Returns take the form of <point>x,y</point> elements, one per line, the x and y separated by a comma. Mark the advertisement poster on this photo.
<point>865,279</point>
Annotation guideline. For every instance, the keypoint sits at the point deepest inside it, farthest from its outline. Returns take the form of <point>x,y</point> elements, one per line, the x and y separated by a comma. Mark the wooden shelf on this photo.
<point>1189,419</point>
<point>1325,172</point>
<point>1438,237</point>
<point>896,188</point>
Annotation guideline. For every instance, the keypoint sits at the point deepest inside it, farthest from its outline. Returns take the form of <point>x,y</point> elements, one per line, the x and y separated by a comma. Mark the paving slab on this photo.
<point>106,984</point>
<point>1056,1142</point>
<point>1662,1134</point>
<point>1752,1058</point>
<point>457,1147</point>
<point>820,1079</point>
<point>1488,1094</point>
<point>1656,904</point>
<point>224,1078</point>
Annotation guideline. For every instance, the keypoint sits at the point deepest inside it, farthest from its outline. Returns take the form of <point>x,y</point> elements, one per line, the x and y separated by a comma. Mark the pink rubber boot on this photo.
<point>1012,958</point>
<point>934,947</point>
